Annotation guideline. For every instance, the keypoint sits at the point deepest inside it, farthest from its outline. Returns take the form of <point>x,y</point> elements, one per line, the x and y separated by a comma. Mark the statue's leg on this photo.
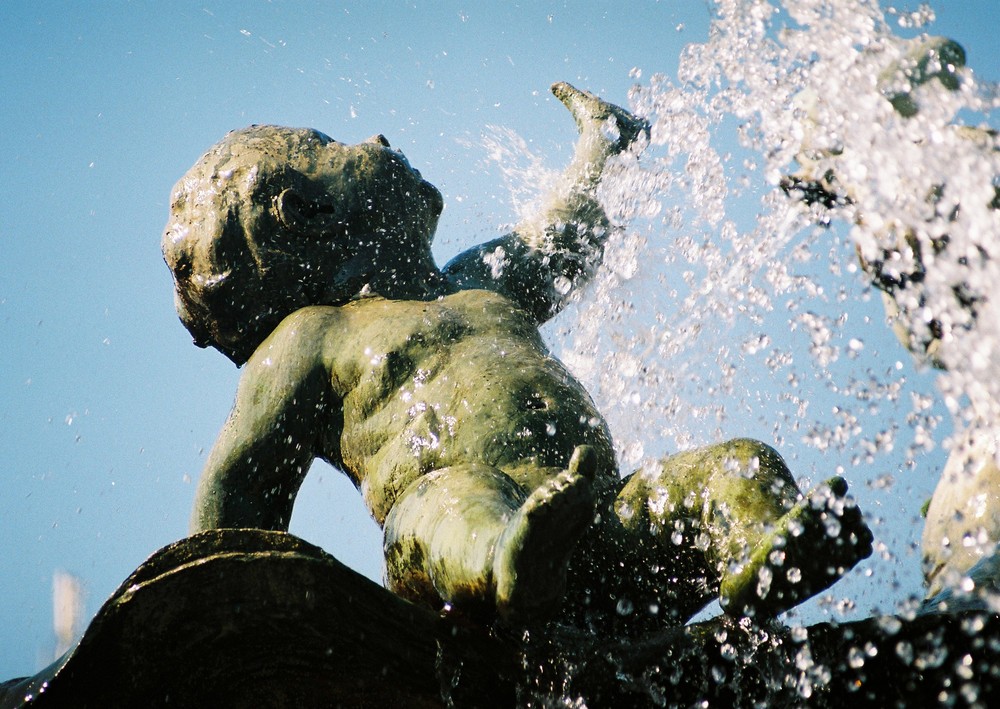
<point>766,545</point>
<point>471,538</point>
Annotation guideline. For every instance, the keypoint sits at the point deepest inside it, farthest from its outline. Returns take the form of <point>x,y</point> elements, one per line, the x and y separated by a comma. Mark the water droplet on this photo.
<point>855,657</point>
<point>904,650</point>
<point>633,452</point>
<point>764,578</point>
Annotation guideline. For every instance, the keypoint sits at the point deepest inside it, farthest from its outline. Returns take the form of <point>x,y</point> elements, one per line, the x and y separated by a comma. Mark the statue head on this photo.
<point>273,219</point>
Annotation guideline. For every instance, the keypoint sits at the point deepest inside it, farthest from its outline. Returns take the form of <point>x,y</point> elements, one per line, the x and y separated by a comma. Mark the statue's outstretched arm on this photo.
<point>555,252</point>
<point>266,447</point>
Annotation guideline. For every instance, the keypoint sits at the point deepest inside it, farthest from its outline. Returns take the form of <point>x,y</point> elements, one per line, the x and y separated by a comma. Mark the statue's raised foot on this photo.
<point>819,540</point>
<point>534,550</point>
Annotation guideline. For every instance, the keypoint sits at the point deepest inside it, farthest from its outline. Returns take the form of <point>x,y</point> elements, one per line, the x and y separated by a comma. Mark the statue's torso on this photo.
<point>462,379</point>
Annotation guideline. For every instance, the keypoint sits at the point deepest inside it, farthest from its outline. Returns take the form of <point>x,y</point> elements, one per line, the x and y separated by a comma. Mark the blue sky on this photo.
<point>107,409</point>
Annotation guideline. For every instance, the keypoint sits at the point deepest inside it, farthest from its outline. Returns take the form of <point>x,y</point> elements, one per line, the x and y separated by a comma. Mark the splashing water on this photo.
<point>731,307</point>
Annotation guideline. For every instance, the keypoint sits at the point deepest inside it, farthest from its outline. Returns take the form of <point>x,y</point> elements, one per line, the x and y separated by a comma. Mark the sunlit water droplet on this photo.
<point>725,325</point>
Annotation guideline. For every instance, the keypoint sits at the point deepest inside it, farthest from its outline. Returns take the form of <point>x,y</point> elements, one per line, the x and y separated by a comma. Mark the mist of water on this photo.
<point>728,306</point>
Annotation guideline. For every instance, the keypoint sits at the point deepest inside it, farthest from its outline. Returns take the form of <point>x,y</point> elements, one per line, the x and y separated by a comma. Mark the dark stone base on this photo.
<point>239,618</point>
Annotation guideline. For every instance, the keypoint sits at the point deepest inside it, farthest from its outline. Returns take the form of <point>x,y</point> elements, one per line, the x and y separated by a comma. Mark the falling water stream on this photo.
<point>737,303</point>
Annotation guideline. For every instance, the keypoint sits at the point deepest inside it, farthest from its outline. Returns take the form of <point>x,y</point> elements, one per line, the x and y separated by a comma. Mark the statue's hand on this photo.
<point>555,250</point>
<point>617,128</point>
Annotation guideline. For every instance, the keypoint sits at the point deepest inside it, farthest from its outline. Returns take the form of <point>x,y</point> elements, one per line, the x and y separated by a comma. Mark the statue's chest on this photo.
<point>402,341</point>
<point>408,363</point>
<point>395,341</point>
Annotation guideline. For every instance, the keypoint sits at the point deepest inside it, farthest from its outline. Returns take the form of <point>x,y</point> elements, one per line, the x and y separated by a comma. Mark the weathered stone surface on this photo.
<point>238,618</point>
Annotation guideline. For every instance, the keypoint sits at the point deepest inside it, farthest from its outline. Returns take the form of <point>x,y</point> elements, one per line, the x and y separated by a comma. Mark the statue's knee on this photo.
<point>754,459</point>
<point>440,534</point>
<point>747,450</point>
<point>406,532</point>
<point>406,569</point>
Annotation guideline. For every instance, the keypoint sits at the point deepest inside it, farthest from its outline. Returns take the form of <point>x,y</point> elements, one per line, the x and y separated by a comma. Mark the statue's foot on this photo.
<point>593,113</point>
<point>816,543</point>
<point>534,550</point>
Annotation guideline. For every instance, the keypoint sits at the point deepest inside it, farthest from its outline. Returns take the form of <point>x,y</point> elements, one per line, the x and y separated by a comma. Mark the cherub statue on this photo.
<point>484,461</point>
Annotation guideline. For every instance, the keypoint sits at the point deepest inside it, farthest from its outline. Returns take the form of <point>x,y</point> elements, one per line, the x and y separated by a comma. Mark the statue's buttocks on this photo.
<point>464,378</point>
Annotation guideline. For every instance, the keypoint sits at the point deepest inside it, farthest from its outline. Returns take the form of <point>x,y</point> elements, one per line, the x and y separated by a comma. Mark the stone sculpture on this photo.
<point>488,466</point>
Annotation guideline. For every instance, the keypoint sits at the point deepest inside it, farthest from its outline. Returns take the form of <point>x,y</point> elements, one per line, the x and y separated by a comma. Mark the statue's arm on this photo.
<point>555,252</point>
<point>271,436</point>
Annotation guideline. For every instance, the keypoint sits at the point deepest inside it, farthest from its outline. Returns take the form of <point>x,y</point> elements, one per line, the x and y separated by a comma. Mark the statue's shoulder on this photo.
<point>312,318</point>
<point>458,300</point>
<point>479,299</point>
<point>301,335</point>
